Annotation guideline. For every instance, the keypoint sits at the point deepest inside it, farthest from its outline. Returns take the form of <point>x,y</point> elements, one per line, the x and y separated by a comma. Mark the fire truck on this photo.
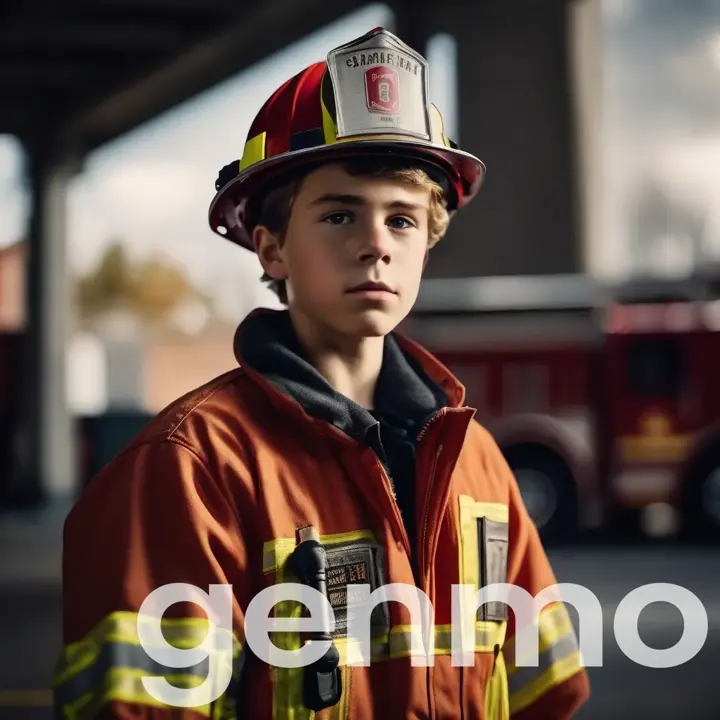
<point>605,400</point>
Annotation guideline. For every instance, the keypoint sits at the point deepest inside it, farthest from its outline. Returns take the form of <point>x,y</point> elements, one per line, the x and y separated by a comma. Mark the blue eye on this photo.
<point>407,222</point>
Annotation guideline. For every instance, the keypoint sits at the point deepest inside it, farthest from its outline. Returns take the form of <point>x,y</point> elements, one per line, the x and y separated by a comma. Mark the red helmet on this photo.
<point>369,98</point>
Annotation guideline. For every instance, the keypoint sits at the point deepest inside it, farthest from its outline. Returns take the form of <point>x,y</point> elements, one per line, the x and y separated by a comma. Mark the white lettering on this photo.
<point>695,630</point>
<point>421,628</point>
<point>258,624</point>
<point>217,646</point>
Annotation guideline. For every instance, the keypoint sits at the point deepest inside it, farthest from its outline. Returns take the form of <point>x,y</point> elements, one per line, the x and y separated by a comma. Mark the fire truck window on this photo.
<point>655,367</point>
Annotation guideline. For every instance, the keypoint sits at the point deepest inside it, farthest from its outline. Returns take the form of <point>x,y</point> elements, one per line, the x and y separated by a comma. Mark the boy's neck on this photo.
<point>351,365</point>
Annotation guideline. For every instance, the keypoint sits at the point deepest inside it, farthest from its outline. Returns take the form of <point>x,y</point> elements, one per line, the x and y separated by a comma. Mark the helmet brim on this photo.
<point>228,214</point>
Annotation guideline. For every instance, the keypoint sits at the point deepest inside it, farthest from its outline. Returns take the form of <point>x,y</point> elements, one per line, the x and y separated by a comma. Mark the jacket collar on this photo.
<point>412,386</point>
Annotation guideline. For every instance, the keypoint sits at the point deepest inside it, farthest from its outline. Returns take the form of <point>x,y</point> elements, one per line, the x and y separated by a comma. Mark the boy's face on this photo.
<point>344,233</point>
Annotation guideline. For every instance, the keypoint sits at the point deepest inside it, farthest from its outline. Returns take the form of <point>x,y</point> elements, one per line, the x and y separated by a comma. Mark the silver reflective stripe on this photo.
<point>443,639</point>
<point>130,657</point>
<point>269,561</point>
<point>401,642</point>
<point>486,638</point>
<point>559,650</point>
<point>379,650</point>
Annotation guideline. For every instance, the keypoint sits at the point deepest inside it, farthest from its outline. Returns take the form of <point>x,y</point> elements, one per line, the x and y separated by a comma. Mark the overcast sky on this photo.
<point>152,188</point>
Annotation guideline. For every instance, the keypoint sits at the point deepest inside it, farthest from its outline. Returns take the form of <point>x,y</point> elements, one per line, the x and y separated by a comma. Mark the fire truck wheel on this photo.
<point>548,490</point>
<point>702,506</point>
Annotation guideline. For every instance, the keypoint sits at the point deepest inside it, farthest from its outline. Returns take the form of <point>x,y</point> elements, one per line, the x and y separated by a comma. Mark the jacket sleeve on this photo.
<point>153,517</point>
<point>559,685</point>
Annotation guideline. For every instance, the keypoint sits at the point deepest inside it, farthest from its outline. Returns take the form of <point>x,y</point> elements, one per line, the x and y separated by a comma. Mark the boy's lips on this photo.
<point>371,287</point>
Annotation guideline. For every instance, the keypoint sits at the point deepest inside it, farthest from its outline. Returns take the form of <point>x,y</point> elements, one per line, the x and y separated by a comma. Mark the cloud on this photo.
<point>156,188</point>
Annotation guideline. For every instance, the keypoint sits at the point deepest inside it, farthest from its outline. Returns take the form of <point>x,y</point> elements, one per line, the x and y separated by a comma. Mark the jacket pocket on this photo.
<point>483,557</point>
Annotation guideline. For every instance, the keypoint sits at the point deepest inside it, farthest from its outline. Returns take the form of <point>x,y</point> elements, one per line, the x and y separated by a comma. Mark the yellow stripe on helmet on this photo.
<point>329,126</point>
<point>254,151</point>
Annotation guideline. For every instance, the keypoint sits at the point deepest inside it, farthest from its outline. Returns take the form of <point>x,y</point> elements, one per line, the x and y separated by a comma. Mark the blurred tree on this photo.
<point>108,286</point>
<point>158,289</point>
<point>151,289</point>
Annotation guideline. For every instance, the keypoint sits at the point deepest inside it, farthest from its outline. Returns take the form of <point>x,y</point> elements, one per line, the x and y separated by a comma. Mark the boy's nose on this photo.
<point>377,243</point>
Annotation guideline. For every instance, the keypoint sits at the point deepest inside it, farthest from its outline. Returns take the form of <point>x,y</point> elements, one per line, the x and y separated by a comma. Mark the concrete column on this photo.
<point>411,24</point>
<point>46,448</point>
<point>586,52</point>
<point>516,112</point>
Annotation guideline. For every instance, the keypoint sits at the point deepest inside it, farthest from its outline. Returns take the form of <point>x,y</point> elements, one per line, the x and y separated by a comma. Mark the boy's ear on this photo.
<point>267,247</point>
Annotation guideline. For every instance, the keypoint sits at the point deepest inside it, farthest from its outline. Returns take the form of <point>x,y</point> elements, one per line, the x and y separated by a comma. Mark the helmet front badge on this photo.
<point>382,89</point>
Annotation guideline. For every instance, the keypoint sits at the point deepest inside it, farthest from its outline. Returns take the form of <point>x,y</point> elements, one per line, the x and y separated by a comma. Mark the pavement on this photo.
<point>30,602</point>
<point>622,688</point>
<point>30,552</point>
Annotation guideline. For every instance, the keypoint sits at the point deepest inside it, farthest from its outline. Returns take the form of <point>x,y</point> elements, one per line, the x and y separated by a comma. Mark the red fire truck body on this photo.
<point>606,408</point>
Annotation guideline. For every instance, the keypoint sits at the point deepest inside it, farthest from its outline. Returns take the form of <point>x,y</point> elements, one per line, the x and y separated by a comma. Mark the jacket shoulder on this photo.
<point>192,448</point>
<point>196,418</point>
<point>482,441</point>
<point>481,450</point>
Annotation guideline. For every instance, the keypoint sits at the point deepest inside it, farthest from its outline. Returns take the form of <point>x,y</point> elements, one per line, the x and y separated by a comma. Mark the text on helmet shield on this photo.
<point>383,58</point>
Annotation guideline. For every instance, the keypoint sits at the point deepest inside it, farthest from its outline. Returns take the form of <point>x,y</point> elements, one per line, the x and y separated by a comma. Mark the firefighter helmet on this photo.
<point>370,97</point>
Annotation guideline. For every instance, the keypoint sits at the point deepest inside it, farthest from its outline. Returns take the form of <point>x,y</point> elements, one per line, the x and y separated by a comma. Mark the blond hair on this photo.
<point>276,207</point>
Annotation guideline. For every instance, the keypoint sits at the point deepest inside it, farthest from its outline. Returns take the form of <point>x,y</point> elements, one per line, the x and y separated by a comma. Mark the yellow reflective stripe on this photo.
<point>341,711</point>
<point>254,151</point>
<point>556,674</point>
<point>554,624</point>
<point>470,512</point>
<point>399,643</point>
<point>225,707</point>
<point>497,512</point>
<point>497,697</point>
<point>106,664</point>
<point>287,682</point>
<point>282,547</point>
<point>559,658</point>
<point>468,551</point>
<point>125,685</point>
<point>525,675</point>
<point>487,636</point>
<point>121,627</point>
<point>468,557</point>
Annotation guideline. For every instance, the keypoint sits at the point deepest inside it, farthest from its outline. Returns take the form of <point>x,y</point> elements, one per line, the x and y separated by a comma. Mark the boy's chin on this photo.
<point>372,323</point>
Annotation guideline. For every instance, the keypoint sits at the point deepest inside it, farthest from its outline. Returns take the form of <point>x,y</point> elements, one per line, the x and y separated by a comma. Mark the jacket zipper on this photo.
<point>394,505</point>
<point>426,516</point>
<point>431,483</point>
<point>423,571</point>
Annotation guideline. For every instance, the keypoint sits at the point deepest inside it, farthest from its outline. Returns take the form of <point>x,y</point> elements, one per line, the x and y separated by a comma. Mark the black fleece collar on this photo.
<point>267,342</point>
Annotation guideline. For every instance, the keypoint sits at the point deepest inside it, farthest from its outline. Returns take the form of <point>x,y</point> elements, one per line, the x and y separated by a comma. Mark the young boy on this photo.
<point>333,430</point>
